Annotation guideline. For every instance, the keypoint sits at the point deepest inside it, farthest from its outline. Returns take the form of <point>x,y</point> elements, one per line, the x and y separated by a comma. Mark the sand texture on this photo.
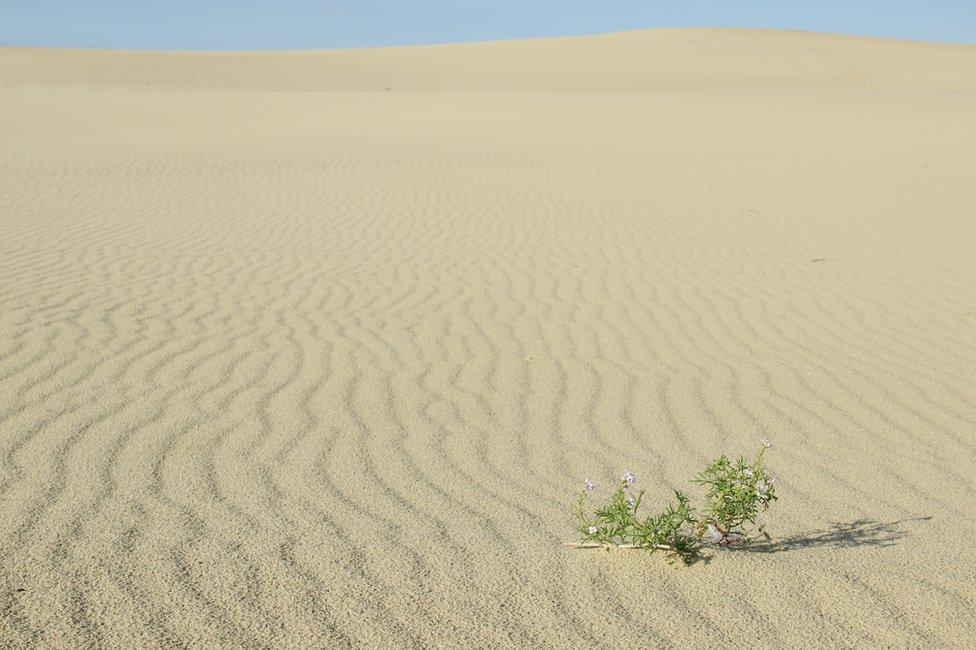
<point>314,349</point>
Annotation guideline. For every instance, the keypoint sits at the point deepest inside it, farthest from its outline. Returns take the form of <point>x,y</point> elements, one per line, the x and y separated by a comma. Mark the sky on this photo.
<point>322,24</point>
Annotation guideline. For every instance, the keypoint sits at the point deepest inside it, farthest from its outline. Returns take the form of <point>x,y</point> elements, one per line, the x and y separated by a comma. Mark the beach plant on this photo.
<point>737,492</point>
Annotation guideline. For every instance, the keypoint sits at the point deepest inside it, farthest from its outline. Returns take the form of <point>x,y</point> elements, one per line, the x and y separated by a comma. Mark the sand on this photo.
<point>314,349</point>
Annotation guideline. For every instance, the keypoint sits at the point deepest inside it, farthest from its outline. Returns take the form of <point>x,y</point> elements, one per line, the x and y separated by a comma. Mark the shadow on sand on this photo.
<point>861,532</point>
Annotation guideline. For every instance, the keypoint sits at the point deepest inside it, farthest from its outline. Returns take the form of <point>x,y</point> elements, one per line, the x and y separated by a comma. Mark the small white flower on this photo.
<point>591,530</point>
<point>630,501</point>
<point>628,478</point>
<point>765,443</point>
<point>748,472</point>
<point>761,488</point>
<point>588,485</point>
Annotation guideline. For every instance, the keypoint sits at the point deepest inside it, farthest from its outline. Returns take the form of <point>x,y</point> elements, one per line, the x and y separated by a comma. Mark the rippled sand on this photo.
<point>315,348</point>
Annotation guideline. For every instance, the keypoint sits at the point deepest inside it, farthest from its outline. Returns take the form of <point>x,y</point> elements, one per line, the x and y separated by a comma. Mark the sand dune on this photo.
<point>315,348</point>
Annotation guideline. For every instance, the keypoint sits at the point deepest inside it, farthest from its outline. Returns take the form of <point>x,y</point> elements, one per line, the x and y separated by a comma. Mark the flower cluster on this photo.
<point>737,492</point>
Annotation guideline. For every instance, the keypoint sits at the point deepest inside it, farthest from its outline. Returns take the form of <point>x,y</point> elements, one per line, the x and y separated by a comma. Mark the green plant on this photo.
<point>737,493</point>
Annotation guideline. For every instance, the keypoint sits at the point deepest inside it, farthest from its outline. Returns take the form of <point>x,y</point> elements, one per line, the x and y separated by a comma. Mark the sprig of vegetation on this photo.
<point>738,492</point>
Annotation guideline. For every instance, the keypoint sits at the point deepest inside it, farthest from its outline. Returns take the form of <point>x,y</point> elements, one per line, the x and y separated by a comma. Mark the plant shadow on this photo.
<point>857,533</point>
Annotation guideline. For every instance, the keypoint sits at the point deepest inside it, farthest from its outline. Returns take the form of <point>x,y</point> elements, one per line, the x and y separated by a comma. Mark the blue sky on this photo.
<point>316,24</point>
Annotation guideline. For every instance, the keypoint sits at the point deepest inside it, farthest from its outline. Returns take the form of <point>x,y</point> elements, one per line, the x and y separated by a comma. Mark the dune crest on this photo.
<point>647,60</point>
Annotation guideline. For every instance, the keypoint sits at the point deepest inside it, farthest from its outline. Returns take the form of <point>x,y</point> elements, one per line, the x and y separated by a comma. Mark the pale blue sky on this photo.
<point>315,24</point>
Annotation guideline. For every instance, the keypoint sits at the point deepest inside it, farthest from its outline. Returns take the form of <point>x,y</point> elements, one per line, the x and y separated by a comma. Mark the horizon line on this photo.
<point>109,48</point>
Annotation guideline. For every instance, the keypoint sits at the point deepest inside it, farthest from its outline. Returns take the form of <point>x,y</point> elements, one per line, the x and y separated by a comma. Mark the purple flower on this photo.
<point>588,485</point>
<point>628,478</point>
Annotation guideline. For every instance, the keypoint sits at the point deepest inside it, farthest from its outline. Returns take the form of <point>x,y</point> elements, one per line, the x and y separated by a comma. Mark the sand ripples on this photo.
<point>291,369</point>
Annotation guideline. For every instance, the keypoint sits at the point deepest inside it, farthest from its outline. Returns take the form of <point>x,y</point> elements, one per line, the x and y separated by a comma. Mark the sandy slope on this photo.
<point>316,348</point>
